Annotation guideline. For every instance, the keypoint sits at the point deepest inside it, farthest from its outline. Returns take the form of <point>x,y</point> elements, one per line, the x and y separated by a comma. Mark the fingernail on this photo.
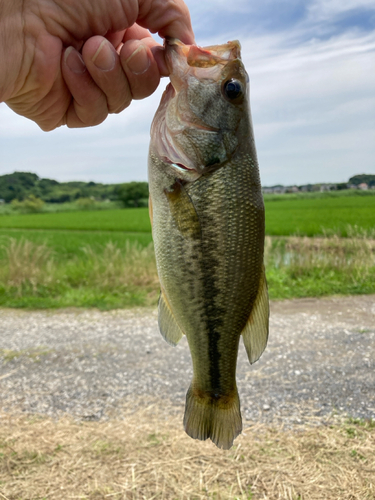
<point>138,62</point>
<point>104,58</point>
<point>74,61</point>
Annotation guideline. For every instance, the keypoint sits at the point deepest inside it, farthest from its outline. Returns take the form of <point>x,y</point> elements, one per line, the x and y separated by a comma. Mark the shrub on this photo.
<point>31,204</point>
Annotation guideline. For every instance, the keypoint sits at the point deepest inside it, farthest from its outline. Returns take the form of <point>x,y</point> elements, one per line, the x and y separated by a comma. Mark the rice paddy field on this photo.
<point>303,214</point>
<point>318,244</point>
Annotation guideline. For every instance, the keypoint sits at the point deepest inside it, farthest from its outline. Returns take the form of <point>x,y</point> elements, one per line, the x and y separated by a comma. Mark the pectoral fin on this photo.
<point>168,326</point>
<point>255,333</point>
<point>183,211</point>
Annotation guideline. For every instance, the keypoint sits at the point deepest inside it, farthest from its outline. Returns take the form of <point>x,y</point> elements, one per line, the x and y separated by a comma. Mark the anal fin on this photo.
<point>255,333</point>
<point>168,325</point>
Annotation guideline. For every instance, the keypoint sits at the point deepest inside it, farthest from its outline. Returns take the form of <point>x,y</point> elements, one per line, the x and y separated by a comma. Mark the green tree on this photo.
<point>17,185</point>
<point>359,179</point>
<point>133,194</point>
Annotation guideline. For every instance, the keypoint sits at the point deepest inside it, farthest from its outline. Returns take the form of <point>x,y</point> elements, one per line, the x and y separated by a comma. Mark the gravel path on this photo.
<point>320,360</point>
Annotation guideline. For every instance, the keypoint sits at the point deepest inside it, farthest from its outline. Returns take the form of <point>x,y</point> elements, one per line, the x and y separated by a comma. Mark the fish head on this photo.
<point>197,127</point>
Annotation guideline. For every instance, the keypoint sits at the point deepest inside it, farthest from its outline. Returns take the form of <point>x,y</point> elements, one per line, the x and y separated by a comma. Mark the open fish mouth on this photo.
<point>205,57</point>
<point>200,62</point>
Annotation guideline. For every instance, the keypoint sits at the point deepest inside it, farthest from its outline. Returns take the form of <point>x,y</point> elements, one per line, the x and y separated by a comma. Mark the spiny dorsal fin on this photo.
<point>255,333</point>
<point>168,326</point>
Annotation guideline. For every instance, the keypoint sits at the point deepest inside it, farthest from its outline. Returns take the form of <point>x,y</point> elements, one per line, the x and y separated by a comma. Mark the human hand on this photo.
<point>71,62</point>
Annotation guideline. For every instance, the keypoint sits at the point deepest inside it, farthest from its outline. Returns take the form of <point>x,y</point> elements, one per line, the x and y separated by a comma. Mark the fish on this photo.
<point>208,226</point>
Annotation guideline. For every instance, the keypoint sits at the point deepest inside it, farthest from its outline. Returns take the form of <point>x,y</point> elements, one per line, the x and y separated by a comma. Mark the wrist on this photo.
<point>11,47</point>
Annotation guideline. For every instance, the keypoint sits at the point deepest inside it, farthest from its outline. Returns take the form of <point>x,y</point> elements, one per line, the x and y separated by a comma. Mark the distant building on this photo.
<point>292,189</point>
<point>274,190</point>
<point>363,186</point>
<point>328,187</point>
<point>2,201</point>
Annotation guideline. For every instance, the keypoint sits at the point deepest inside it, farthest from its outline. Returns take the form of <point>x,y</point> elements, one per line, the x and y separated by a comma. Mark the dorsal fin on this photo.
<point>255,333</point>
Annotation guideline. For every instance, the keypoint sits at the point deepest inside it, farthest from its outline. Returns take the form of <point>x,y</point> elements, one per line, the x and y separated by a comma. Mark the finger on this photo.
<point>168,18</point>
<point>103,64</point>
<point>136,32</point>
<point>116,39</point>
<point>140,66</point>
<point>159,55</point>
<point>89,104</point>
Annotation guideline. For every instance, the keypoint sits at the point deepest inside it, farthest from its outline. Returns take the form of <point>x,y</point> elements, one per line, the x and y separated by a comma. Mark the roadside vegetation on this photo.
<point>110,270</point>
<point>146,454</point>
<point>317,244</point>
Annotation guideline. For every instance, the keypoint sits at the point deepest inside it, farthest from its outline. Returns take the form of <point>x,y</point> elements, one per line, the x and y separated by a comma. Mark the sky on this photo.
<point>312,91</point>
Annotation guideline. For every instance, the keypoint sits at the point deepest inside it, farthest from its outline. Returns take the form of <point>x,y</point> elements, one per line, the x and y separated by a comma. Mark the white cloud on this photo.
<point>320,10</point>
<point>313,105</point>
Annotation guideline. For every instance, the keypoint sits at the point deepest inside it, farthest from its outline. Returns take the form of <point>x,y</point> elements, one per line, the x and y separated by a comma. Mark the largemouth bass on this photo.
<point>207,215</point>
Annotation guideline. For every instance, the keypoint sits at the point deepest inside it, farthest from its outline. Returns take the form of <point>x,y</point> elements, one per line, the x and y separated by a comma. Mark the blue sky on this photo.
<point>312,72</point>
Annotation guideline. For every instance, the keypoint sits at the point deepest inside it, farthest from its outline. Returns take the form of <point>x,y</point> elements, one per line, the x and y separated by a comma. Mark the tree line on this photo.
<point>21,186</point>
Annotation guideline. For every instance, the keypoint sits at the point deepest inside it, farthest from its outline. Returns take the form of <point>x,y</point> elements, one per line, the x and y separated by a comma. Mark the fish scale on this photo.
<point>207,217</point>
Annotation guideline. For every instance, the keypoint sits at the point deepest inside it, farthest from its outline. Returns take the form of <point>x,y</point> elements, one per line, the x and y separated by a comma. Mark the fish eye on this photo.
<point>232,89</point>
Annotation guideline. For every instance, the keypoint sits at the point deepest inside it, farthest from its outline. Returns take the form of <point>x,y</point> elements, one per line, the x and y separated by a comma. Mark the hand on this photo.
<point>71,62</point>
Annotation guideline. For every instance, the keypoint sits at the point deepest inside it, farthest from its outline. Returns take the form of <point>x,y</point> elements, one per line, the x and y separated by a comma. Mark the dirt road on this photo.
<point>320,360</point>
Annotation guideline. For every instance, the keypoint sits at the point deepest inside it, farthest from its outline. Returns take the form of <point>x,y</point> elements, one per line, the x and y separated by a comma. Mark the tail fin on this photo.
<point>216,418</point>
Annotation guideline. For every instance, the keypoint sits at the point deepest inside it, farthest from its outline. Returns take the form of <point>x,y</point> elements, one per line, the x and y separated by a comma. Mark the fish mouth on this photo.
<point>205,57</point>
<point>202,62</point>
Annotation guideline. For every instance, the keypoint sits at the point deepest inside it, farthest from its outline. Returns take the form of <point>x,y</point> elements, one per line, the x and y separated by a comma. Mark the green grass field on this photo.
<point>310,216</point>
<point>105,258</point>
<point>285,215</point>
<point>130,220</point>
<point>67,244</point>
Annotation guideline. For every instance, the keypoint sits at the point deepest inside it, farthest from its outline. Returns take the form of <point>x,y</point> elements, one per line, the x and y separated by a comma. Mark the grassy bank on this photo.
<point>148,455</point>
<point>286,215</point>
<point>115,274</point>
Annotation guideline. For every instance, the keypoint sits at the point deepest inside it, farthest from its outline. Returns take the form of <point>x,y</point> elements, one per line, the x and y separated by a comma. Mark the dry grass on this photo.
<point>330,252</point>
<point>27,263</point>
<point>116,267</point>
<point>147,455</point>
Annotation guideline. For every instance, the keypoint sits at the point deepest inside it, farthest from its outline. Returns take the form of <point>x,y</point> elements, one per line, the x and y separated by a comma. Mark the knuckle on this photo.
<point>116,108</point>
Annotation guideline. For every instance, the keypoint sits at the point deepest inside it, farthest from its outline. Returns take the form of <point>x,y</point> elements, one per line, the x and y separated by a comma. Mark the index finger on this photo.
<point>167,18</point>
